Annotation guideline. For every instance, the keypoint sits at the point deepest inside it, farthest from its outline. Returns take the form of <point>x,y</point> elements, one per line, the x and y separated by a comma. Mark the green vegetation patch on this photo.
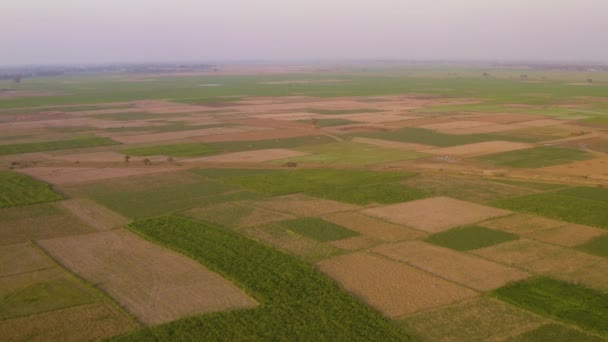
<point>329,122</point>
<point>236,146</point>
<point>130,116</point>
<point>595,194</point>
<point>383,193</point>
<point>296,301</point>
<point>562,205</point>
<point>569,303</point>
<point>428,137</point>
<point>318,229</point>
<point>343,111</point>
<point>536,157</point>
<point>597,246</point>
<point>176,150</point>
<point>350,153</point>
<point>56,145</point>
<point>530,185</point>
<point>288,182</point>
<point>556,333</point>
<point>214,173</point>
<point>17,190</point>
<point>470,237</point>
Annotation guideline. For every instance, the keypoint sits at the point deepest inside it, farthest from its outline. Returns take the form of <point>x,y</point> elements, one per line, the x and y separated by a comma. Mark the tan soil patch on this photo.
<point>455,125</point>
<point>277,236</point>
<point>479,319</point>
<point>562,263</point>
<point>286,115</point>
<point>522,223</point>
<point>392,144</point>
<point>393,288</point>
<point>539,123</point>
<point>257,156</point>
<point>418,122</point>
<point>39,221</point>
<point>73,175</point>
<point>479,149</point>
<point>355,243</point>
<point>507,118</point>
<point>569,235</point>
<point>355,129</point>
<point>103,156</point>
<point>375,117</point>
<point>236,215</point>
<point>22,258</point>
<point>305,81</point>
<point>482,129</point>
<point>154,284</point>
<point>435,214</point>
<point>80,323</point>
<point>177,135</point>
<point>94,214</point>
<point>594,168</point>
<point>166,107</point>
<point>373,227</point>
<point>260,135</point>
<point>302,205</point>
<point>458,267</point>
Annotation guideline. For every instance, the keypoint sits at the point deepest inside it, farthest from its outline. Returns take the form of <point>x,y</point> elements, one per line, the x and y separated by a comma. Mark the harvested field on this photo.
<point>177,135</point>
<point>507,118</point>
<point>259,135</point>
<point>393,288</point>
<point>435,214</point>
<point>73,175</point>
<point>95,157</point>
<point>540,123</point>
<point>482,129</point>
<point>154,284</point>
<point>522,223</point>
<point>80,323</point>
<point>479,319</point>
<point>568,235</point>
<point>467,270</point>
<point>372,227</point>
<point>392,144</point>
<point>40,221</point>
<point>251,156</point>
<point>22,258</point>
<point>236,215</point>
<point>302,205</point>
<point>594,168</point>
<point>93,214</point>
<point>479,149</point>
<point>454,125</point>
<point>377,117</point>
<point>355,243</point>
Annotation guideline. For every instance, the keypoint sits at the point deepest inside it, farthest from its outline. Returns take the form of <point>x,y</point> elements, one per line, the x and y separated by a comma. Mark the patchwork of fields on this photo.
<point>378,207</point>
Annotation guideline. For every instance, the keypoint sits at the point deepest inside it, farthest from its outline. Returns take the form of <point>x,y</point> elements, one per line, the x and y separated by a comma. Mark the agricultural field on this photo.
<point>385,204</point>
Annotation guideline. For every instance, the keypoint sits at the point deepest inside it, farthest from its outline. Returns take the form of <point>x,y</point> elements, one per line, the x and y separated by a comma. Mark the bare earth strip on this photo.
<point>73,175</point>
<point>156,137</point>
<point>392,144</point>
<point>95,157</point>
<point>80,323</point>
<point>435,214</point>
<point>458,267</point>
<point>479,149</point>
<point>250,156</point>
<point>93,214</point>
<point>153,283</point>
<point>373,227</point>
<point>393,288</point>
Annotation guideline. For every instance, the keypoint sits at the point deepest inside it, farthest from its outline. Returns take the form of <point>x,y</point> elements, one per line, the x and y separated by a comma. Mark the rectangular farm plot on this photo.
<point>22,258</point>
<point>251,156</point>
<point>318,229</point>
<point>479,319</point>
<point>93,214</point>
<point>72,175</point>
<point>373,227</point>
<point>393,288</point>
<point>461,268</point>
<point>154,284</point>
<point>392,144</point>
<point>302,205</point>
<point>522,223</point>
<point>479,149</point>
<point>435,214</point>
<point>470,237</point>
<point>568,235</point>
<point>455,125</point>
<point>535,157</point>
<point>236,215</point>
<point>17,190</point>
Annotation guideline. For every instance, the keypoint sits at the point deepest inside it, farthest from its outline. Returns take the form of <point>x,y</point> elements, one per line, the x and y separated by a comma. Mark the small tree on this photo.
<point>17,81</point>
<point>170,159</point>
<point>147,161</point>
<point>127,159</point>
<point>589,80</point>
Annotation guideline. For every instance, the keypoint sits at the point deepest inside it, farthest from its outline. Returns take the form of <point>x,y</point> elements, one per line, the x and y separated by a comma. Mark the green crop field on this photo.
<point>381,193</point>
<point>531,185</point>
<point>309,180</point>
<point>56,145</point>
<point>318,229</point>
<point>556,332</point>
<point>535,157</point>
<point>470,237</point>
<point>174,150</point>
<point>350,153</point>
<point>577,206</point>
<point>343,111</point>
<point>297,302</point>
<point>597,246</point>
<point>329,122</point>
<point>235,146</point>
<point>17,190</point>
<point>169,127</point>
<point>130,116</point>
<point>569,303</point>
<point>229,173</point>
<point>428,137</point>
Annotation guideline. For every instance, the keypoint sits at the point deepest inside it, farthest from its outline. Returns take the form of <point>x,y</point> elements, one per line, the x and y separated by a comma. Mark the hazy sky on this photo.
<point>57,31</point>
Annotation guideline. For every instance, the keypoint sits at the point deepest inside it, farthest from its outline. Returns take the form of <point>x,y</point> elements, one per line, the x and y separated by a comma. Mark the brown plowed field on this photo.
<point>93,214</point>
<point>392,287</point>
<point>73,175</point>
<point>154,284</point>
<point>479,149</point>
<point>257,156</point>
<point>373,227</point>
<point>302,205</point>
